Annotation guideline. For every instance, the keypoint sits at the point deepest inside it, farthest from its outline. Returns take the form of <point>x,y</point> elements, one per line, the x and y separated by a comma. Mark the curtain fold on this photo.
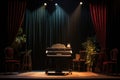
<point>98,15</point>
<point>16,11</point>
<point>43,30</point>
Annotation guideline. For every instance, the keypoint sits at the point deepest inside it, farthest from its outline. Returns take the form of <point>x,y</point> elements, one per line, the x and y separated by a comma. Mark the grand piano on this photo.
<point>59,58</point>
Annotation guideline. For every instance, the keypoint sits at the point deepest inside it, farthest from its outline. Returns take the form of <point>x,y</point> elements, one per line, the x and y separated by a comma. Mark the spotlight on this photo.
<point>45,4</point>
<point>81,3</point>
<point>56,4</point>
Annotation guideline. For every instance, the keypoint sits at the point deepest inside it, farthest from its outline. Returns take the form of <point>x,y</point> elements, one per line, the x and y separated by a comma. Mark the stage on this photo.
<point>42,75</point>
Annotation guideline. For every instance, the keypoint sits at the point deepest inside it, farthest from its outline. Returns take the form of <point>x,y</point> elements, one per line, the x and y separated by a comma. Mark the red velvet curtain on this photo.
<point>16,10</point>
<point>98,15</point>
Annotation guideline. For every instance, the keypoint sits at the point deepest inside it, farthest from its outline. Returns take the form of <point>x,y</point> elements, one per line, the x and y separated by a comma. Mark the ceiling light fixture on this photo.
<point>81,3</point>
<point>45,4</point>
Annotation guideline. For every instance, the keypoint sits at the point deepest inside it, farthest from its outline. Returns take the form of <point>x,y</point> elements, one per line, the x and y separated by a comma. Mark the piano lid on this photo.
<point>58,45</point>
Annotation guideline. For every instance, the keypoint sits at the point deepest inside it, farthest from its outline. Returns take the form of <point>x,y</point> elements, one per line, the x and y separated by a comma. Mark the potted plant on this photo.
<point>19,44</point>
<point>90,49</point>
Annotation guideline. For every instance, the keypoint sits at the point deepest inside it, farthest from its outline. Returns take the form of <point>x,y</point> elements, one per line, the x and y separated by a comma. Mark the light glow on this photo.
<point>81,3</point>
<point>45,4</point>
<point>56,4</point>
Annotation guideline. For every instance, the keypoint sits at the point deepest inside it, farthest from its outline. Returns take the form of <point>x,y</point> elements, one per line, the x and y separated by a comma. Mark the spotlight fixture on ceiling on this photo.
<point>56,4</point>
<point>81,3</point>
<point>45,4</point>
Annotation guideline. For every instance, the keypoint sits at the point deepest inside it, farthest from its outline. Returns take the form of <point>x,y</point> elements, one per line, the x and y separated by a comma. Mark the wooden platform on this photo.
<point>42,75</point>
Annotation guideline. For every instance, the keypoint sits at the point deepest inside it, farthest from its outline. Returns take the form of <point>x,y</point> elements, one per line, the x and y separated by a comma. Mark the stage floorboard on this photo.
<point>42,75</point>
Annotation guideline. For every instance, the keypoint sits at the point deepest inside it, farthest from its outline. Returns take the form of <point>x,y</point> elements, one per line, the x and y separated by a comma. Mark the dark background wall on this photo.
<point>113,23</point>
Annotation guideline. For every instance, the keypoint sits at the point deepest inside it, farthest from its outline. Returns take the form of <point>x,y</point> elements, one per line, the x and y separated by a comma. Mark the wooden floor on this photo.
<point>42,75</point>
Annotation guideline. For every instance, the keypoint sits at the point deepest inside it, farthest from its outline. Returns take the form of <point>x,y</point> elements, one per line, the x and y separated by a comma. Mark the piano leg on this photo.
<point>46,71</point>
